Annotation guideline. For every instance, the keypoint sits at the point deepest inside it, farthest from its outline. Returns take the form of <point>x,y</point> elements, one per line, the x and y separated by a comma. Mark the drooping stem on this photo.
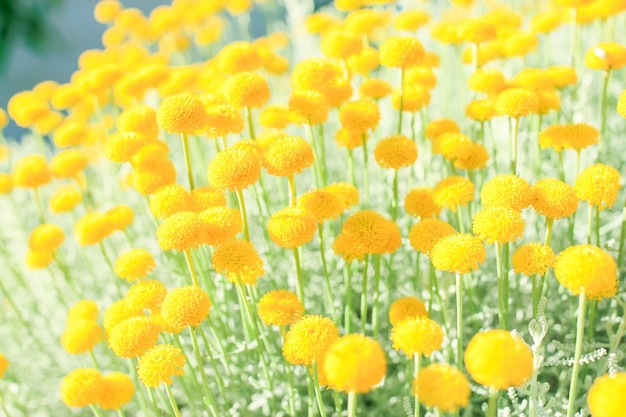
<point>244,215</point>
<point>364,294</point>
<point>187,159</point>
<point>192,268</point>
<point>459,320</point>
<point>580,334</point>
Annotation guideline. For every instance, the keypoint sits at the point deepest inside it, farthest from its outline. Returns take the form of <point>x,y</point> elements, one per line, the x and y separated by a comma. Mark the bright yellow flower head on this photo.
<point>131,337</point>
<point>425,234</point>
<point>598,185</point>
<point>83,310</point>
<point>498,225</point>
<point>122,146</point>
<point>180,231</point>
<point>458,252</point>
<point>405,308</point>
<point>320,205</point>
<point>606,56</point>
<point>308,340</point>
<point>453,191</point>
<point>606,395</point>
<point>279,308</point>
<point>31,171</point>
<point>117,312</point>
<point>345,192</point>
<point>152,175</point>
<point>359,116</point>
<point>239,56</point>
<point>287,156</point>
<point>476,30</point>
<point>291,227</point>
<point>365,232</point>
<point>46,237</point>
<point>621,104</point>
<point>246,89</point>
<point>395,152</point>
<point>106,10</point>
<point>587,268</point>
<point>146,294</point>
<point>364,62</point>
<point>411,20</point>
<point>487,80</point>
<point>170,199</point>
<point>4,364</point>
<point>417,335</point>
<point>554,198</point>
<point>439,126</point>
<point>546,21</point>
<point>401,52</point>
<point>38,259</point>
<point>6,183</point>
<point>533,258</point>
<point>204,198</point>
<point>234,169</point>
<point>516,102</point>
<point>139,119</point>
<point>443,387</point>
<point>481,110</point>
<point>340,44</point>
<point>506,190</point>
<point>498,359</point>
<point>92,228</point>
<point>414,98</point>
<point>375,88</point>
<point>134,264</point>
<point>238,260</point>
<point>354,363</point>
<point>181,113</point>
<point>419,202</point>
<point>219,224</point>
<point>308,106</point>
<point>81,336</point>
<point>576,136</point>
<point>159,364</point>
<point>274,116</point>
<point>68,164</point>
<point>81,387</point>
<point>185,306</point>
<point>117,390</point>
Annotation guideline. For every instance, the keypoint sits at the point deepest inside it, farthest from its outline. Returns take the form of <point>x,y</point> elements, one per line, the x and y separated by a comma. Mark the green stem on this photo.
<point>4,406</point>
<point>318,392</point>
<point>328,288</point>
<point>417,362</point>
<point>366,174</point>
<point>96,410</point>
<point>416,278</point>
<point>323,155</point>
<point>376,305</point>
<point>191,267</point>
<point>244,214</point>
<point>351,167</point>
<point>459,320</point>
<point>597,225</point>
<point>352,404</point>
<point>514,146</point>
<point>94,360</point>
<point>593,306</point>
<point>292,397</point>
<point>401,100</point>
<point>548,237</point>
<point>296,257</point>
<point>622,237</point>
<point>605,85</point>
<point>348,307</point>
<point>292,190</point>
<point>364,294</point>
<point>561,166</point>
<point>394,207</point>
<point>187,160</point>
<point>501,299</point>
<point>250,123</point>
<point>589,223</point>
<point>170,397</point>
<point>536,294</point>
<point>40,209</point>
<point>459,219</point>
<point>492,408</point>
<point>580,333</point>
<point>200,365</point>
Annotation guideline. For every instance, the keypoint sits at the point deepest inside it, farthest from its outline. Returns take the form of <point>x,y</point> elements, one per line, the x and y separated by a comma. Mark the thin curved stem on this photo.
<point>192,268</point>
<point>244,215</point>
<point>170,397</point>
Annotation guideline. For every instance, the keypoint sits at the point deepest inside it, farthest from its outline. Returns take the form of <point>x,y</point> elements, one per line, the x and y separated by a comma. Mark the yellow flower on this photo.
<point>533,258</point>
<point>598,185</point>
<point>234,169</point>
<point>117,390</point>
<point>411,20</point>
<point>606,56</point>
<point>146,294</point>
<point>443,387</point>
<point>546,21</point>
<point>131,337</point>
<point>419,202</point>
<point>287,156</point>
<point>180,231</point>
<point>320,205</point>
<point>453,191</point>
<point>621,104</point>
<point>417,335</point>
<point>106,10</point>
<point>414,98</point>
<point>159,364</point>
<point>222,119</point>
<point>122,146</point>
<point>422,75</point>
<point>117,312</point>
<point>341,44</point>
<point>168,200</point>
<point>498,359</point>
<point>120,217</point>
<point>459,252</point>
<point>395,152</point>
<point>606,395</point>
<point>67,164</point>
<point>571,136</point>
<point>365,232</point>
<point>349,139</point>
<point>516,102</point>
<point>219,224</point>
<point>554,198</point>
<point>487,80</point>
<point>239,260</point>
<point>139,119</point>
<point>587,268</point>
<point>81,387</point>
<point>401,52</point>
<point>345,192</point>
<point>375,88</point>
<point>6,183</point>
<point>364,21</point>
<point>354,363</point>
<point>239,56</point>
<point>31,171</point>
<point>506,190</point>
<point>92,228</point>
<point>83,310</point>
<point>274,116</point>
<point>364,62</point>
<point>405,308</point>
<point>152,175</point>
<point>359,116</point>
<point>246,89</point>
<point>291,227</point>
<point>476,30</point>
<point>425,234</point>
<point>46,237</point>
<point>308,340</point>
<point>181,113</point>
<point>471,156</point>
<point>38,259</point>
<point>498,225</point>
<point>81,336</point>
<point>185,306</point>
<point>149,153</point>
<point>308,106</point>
<point>279,308</point>
<point>481,110</point>
<point>562,76</point>
<point>65,199</point>
<point>4,364</point>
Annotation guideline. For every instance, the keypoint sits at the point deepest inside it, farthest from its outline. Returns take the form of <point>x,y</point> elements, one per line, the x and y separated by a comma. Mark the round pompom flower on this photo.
<point>170,199</point>
<point>31,171</point>
<point>80,336</point>
<point>533,258</point>
<point>487,80</point>
<point>83,310</point>
<point>239,56</point>
<point>375,88</point>
<point>320,205</point>
<point>120,217</point>
<point>6,183</point>
<point>146,294</point>
<point>159,364</point>
<point>345,192</point>
<point>395,152</point>
<point>365,232</point>
<point>46,237</point>
<point>341,44</point>
<point>498,225</point>
<point>291,227</point>
<point>417,335</point>
<point>517,102</point>
<point>598,185</point>
<point>185,306</point>
<point>81,387</point>
<point>68,163</point>
<point>122,146</point>
<point>287,155</point>
<point>219,224</point>
<point>359,116</point>
<point>131,337</point>
<point>453,191</point>
<point>554,198</point>
<point>4,364</point>
<point>506,190</point>
<point>354,363</point>
<point>117,390</point>
<point>223,119</point>
<point>239,260</point>
<point>117,312</point>
<point>401,52</point>
<point>280,308</point>
<point>606,56</point>
<point>92,228</point>
<point>134,264</point>
<point>606,395</point>
<point>308,106</point>
<point>587,268</point>
<point>575,136</point>
<point>439,126</point>
<point>498,359</point>
<point>406,307</point>
<point>419,202</point>
<point>180,231</point>
<point>204,198</point>
<point>152,175</point>
<point>425,234</point>
<point>459,252</point>
<point>139,119</point>
<point>181,113</point>
<point>443,387</point>
<point>308,340</point>
<point>246,89</point>
<point>234,169</point>
<point>37,259</point>
<point>65,199</point>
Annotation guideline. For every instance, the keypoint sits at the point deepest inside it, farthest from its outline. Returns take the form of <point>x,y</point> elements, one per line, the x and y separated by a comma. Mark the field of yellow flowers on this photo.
<point>379,208</point>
